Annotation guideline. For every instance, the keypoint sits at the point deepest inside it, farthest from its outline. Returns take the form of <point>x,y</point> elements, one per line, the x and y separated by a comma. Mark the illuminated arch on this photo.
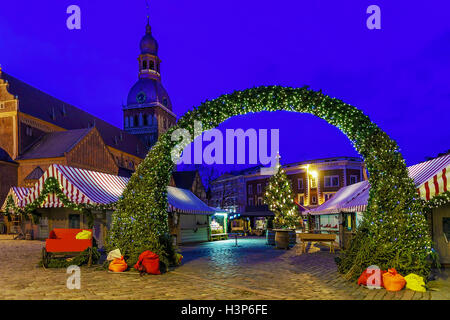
<point>394,228</point>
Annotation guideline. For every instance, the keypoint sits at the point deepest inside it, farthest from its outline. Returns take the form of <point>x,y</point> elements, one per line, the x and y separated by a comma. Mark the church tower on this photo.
<point>148,112</point>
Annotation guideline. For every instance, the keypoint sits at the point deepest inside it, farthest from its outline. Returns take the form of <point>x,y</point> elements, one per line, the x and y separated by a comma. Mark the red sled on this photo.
<point>63,242</point>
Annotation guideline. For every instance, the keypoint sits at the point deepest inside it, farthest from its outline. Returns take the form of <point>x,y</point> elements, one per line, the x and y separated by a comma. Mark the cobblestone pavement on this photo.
<point>214,270</point>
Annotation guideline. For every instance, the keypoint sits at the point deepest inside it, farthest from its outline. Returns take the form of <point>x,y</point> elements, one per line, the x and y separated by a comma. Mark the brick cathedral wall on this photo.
<point>8,179</point>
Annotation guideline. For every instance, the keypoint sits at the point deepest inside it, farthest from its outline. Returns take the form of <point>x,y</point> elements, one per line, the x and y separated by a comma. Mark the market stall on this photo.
<point>189,216</point>
<point>432,179</point>
<point>219,225</point>
<point>331,218</point>
<point>67,197</point>
<point>13,224</point>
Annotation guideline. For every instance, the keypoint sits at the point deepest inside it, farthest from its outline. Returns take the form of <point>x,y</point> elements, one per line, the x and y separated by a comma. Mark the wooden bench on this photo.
<point>308,237</point>
<point>219,236</point>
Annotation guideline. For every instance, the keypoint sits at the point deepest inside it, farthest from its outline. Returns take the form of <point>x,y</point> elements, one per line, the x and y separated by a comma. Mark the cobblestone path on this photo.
<point>214,270</point>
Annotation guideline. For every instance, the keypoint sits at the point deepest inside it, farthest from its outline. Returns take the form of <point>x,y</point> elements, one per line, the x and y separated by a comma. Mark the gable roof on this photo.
<point>43,106</point>
<point>184,179</point>
<point>422,172</point>
<point>4,156</point>
<point>54,144</point>
<point>18,194</point>
<point>341,198</point>
<point>35,174</point>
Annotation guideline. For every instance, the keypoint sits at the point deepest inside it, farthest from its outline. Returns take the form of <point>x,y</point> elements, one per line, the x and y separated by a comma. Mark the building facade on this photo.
<point>313,182</point>
<point>189,180</point>
<point>228,191</point>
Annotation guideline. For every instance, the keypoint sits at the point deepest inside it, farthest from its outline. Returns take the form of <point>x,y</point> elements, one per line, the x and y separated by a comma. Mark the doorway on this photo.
<point>441,233</point>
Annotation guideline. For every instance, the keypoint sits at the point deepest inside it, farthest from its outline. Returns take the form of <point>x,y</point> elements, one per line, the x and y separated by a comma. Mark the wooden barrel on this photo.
<point>282,239</point>
<point>270,237</point>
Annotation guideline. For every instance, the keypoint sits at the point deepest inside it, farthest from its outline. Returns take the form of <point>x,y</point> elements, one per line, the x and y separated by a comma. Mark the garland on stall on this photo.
<point>52,186</point>
<point>394,224</point>
<point>439,200</point>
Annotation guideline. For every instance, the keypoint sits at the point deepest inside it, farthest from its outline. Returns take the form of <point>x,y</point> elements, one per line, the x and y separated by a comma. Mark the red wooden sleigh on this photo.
<point>63,242</point>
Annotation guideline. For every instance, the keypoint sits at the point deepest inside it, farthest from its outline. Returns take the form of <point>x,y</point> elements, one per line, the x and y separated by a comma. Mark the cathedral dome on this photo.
<point>147,90</point>
<point>148,43</point>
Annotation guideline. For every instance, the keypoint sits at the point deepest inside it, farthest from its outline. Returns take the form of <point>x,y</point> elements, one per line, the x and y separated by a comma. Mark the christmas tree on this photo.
<point>279,197</point>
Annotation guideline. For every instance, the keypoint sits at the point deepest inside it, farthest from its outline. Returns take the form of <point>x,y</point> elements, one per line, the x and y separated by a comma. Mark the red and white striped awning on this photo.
<point>359,201</point>
<point>80,186</point>
<point>18,194</point>
<point>431,177</point>
<point>83,186</point>
<point>340,199</point>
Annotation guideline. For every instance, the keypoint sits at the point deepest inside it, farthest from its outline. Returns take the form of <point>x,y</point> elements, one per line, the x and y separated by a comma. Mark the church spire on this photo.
<point>148,28</point>
<point>148,58</point>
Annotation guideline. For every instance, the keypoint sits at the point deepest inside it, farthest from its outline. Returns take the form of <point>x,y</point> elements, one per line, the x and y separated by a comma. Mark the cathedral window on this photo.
<point>136,120</point>
<point>29,131</point>
<point>126,122</point>
<point>165,102</point>
<point>152,65</point>
<point>141,120</point>
<point>144,64</point>
<point>131,122</point>
<point>146,120</point>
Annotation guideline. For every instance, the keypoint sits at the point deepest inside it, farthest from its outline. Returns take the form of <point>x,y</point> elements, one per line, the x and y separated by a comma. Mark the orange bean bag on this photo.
<point>393,281</point>
<point>148,262</point>
<point>118,265</point>
<point>376,279</point>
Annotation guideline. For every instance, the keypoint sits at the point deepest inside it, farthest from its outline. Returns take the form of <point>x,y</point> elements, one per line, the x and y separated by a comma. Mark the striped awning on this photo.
<point>358,203</point>
<point>83,186</point>
<point>340,199</point>
<point>80,186</point>
<point>431,177</point>
<point>18,194</point>
<point>184,201</point>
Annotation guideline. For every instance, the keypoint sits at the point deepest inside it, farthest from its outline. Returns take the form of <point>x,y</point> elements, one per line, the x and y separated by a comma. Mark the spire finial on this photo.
<point>148,28</point>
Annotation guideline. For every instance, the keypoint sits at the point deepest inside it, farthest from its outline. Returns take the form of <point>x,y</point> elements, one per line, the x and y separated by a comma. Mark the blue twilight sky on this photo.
<point>398,75</point>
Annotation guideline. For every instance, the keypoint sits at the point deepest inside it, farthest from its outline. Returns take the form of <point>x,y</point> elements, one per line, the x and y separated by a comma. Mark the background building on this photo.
<point>38,130</point>
<point>148,112</point>
<point>228,191</point>
<point>313,181</point>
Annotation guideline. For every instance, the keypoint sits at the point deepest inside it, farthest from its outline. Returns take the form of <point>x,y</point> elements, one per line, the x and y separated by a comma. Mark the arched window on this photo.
<point>141,120</point>
<point>144,64</point>
<point>126,122</point>
<point>152,65</point>
<point>136,120</point>
<point>146,120</point>
<point>131,121</point>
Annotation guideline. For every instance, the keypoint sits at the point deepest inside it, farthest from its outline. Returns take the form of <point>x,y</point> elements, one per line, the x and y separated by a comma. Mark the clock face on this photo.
<point>140,97</point>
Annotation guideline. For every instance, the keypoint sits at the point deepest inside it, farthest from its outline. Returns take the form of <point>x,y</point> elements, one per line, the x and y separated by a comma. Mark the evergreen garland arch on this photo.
<point>394,231</point>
